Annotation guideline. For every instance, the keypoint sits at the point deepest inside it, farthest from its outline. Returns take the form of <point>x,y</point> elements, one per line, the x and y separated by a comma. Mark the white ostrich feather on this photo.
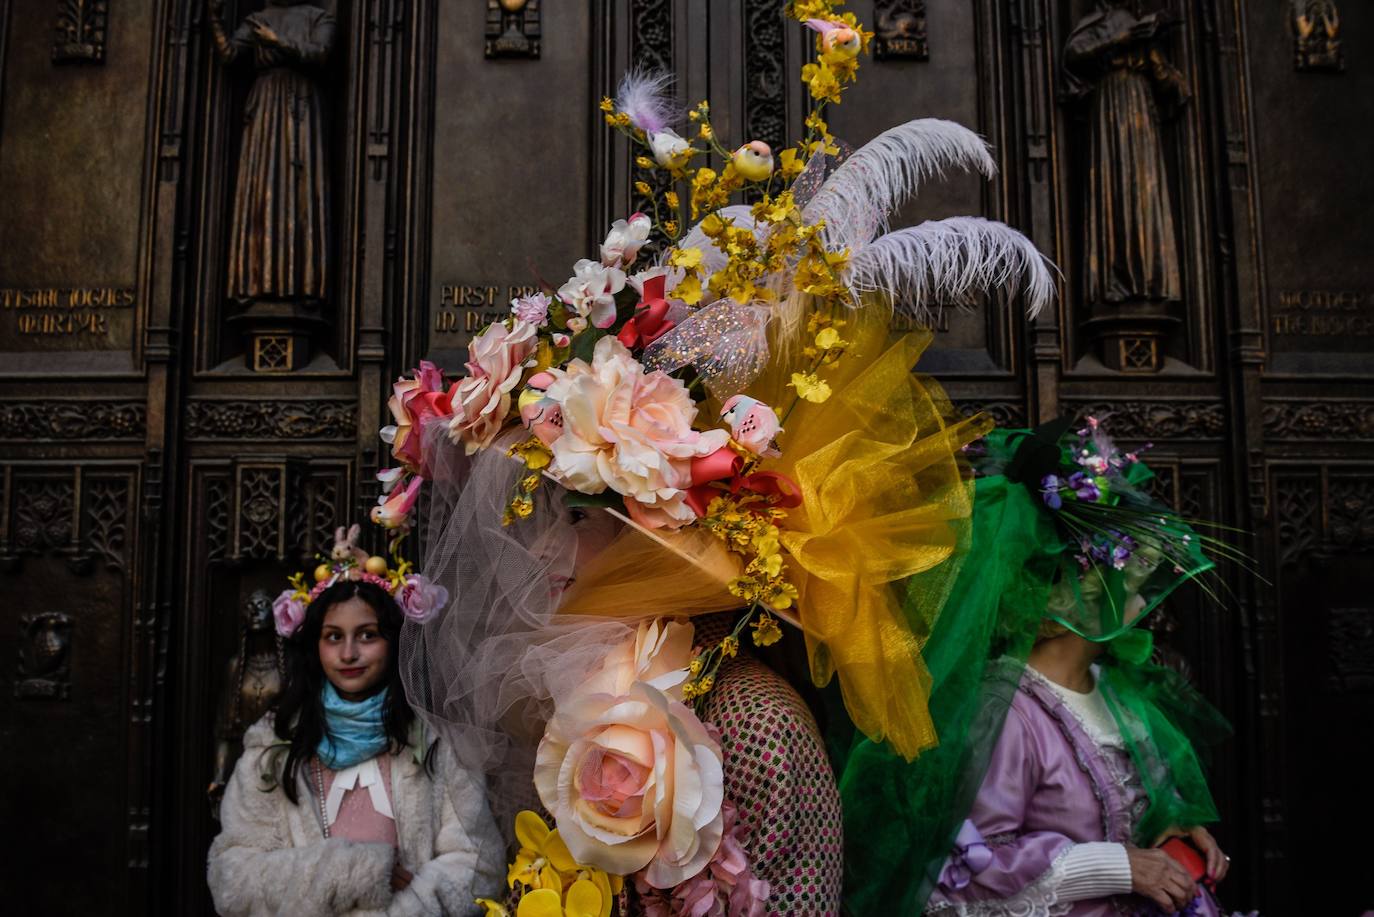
<point>949,261</point>
<point>858,197</point>
<point>643,95</point>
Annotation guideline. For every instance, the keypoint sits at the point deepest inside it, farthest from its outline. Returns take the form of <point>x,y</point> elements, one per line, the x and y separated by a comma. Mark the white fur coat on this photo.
<point>272,858</point>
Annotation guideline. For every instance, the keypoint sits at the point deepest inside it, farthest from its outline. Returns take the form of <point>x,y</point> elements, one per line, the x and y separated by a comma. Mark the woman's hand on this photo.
<point>1156,876</point>
<point>1218,863</point>
<point>400,878</point>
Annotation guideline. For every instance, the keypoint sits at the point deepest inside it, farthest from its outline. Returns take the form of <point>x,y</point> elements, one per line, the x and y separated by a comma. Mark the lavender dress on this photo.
<point>1048,831</point>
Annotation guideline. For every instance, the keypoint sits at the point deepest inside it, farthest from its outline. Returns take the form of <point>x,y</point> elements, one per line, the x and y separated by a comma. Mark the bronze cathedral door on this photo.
<point>216,255</point>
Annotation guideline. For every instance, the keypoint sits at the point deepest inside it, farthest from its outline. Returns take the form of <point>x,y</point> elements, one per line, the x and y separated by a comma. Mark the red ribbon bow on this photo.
<point>725,465</point>
<point>650,321</point>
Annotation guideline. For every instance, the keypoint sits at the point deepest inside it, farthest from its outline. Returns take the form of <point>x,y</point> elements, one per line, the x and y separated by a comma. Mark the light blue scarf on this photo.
<point>354,731</point>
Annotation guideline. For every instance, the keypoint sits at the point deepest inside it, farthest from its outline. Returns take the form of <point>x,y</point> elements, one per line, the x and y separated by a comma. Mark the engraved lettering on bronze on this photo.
<point>512,28</point>
<point>465,308</point>
<point>279,231</point>
<point>900,30</point>
<point>63,310</point>
<point>44,656</point>
<point>1323,313</point>
<point>252,682</point>
<point>1131,260</point>
<point>1317,36</point>
<point>80,31</point>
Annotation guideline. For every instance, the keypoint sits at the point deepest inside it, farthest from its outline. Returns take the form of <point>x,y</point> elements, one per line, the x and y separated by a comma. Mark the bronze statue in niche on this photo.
<point>252,682</point>
<point>279,231</point>
<point>1132,264</point>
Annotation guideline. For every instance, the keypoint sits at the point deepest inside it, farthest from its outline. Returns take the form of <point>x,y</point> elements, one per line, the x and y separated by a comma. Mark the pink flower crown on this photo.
<point>418,598</point>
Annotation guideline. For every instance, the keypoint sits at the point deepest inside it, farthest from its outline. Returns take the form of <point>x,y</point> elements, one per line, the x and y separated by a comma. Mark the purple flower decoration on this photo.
<point>1084,487</point>
<point>288,612</point>
<point>420,599</point>
<point>1049,491</point>
<point>533,309</point>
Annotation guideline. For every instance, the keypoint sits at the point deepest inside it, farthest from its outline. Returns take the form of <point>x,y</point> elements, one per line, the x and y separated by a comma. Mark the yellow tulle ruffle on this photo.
<point>886,496</point>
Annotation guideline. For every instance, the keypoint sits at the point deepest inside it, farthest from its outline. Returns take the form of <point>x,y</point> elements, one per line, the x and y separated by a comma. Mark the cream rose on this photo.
<point>630,431</point>
<point>634,780</point>
<point>481,402</point>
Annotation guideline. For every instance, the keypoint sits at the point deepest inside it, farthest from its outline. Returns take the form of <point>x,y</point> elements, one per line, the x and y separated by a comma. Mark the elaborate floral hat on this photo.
<point>710,414</point>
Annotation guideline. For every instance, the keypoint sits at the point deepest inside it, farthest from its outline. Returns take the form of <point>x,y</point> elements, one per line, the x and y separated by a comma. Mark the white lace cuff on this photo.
<point>1097,869</point>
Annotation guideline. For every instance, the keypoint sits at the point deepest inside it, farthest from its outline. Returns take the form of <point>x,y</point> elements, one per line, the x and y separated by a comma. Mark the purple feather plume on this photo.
<point>643,96</point>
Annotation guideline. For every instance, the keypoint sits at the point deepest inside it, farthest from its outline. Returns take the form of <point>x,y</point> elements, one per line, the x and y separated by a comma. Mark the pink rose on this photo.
<point>634,780</point>
<point>420,599</point>
<point>481,402</point>
<point>630,431</point>
<point>289,612</point>
<point>725,888</point>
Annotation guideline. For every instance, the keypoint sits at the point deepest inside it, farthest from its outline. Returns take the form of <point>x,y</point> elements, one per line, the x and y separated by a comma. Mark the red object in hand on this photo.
<point>1183,852</point>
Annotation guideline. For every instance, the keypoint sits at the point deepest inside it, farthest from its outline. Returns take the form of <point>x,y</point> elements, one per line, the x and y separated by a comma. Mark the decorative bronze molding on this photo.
<point>1317,37</point>
<point>1350,511</point>
<point>271,420</point>
<point>651,47</point>
<point>72,420</point>
<point>900,30</point>
<point>80,32</point>
<point>765,75</point>
<point>1319,420</point>
<point>513,28</point>
<point>1003,413</point>
<point>1152,420</point>
<point>45,644</point>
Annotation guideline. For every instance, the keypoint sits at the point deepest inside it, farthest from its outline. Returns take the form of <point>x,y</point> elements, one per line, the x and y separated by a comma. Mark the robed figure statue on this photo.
<point>1130,249</point>
<point>279,234</point>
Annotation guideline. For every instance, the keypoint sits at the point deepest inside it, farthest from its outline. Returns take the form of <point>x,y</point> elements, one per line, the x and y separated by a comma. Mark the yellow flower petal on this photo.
<point>584,900</point>
<point>550,878</point>
<point>493,908</point>
<point>827,338</point>
<point>542,902</point>
<point>557,852</point>
<point>530,830</point>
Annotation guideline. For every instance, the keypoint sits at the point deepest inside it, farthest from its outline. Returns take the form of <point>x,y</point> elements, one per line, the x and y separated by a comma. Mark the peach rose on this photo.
<point>481,402</point>
<point>634,780</point>
<point>413,401</point>
<point>630,431</point>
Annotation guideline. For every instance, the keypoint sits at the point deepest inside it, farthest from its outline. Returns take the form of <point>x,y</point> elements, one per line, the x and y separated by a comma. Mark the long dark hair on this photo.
<point>299,711</point>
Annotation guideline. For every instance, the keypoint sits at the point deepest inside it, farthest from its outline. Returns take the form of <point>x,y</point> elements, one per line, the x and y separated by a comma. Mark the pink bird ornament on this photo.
<point>837,36</point>
<point>753,424</point>
<point>393,510</point>
<point>540,414</point>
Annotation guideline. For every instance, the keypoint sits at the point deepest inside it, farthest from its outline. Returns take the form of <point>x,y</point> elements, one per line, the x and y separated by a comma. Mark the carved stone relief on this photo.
<point>72,420</point>
<point>80,31</point>
<point>513,28</point>
<point>899,30</point>
<point>272,420</point>
<point>1115,66</point>
<point>279,228</point>
<point>1317,36</point>
<point>45,642</point>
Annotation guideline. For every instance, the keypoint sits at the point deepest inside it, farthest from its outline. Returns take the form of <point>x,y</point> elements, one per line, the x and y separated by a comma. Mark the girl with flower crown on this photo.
<point>340,804</point>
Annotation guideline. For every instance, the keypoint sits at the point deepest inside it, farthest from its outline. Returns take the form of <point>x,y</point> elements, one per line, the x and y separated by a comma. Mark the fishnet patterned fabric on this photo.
<point>777,773</point>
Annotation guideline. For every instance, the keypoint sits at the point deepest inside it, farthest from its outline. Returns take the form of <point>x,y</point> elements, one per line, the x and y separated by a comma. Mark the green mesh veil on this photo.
<point>1027,561</point>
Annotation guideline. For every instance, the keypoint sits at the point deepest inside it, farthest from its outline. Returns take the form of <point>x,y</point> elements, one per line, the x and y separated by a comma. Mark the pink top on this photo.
<point>357,819</point>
